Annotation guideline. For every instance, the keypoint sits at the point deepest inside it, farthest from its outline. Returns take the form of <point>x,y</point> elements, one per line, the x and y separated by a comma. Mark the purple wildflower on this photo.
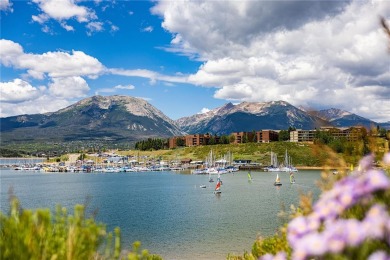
<point>375,221</point>
<point>278,256</point>
<point>312,244</point>
<point>336,244</point>
<point>386,159</point>
<point>379,255</point>
<point>297,228</point>
<point>366,163</point>
<point>337,234</point>
<point>376,180</point>
<point>356,233</point>
<point>267,257</point>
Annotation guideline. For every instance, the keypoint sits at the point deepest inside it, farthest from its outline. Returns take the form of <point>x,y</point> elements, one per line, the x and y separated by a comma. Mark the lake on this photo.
<point>168,211</point>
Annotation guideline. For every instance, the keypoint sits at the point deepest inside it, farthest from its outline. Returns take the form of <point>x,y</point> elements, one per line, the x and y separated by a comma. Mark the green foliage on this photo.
<point>212,140</point>
<point>324,137</point>
<point>284,135</point>
<point>224,139</point>
<point>11,153</point>
<point>272,245</point>
<point>82,156</point>
<point>180,142</point>
<point>268,245</point>
<point>27,234</point>
<point>151,144</point>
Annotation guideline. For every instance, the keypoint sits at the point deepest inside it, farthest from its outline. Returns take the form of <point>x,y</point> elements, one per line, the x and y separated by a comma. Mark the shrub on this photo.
<point>27,234</point>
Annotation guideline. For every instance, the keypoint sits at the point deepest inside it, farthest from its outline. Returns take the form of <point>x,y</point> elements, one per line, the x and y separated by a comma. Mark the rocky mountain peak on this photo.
<point>333,114</point>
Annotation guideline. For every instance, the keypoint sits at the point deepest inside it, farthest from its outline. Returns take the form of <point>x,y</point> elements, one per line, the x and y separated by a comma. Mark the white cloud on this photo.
<point>41,104</point>
<point>61,10</point>
<point>145,98</point>
<point>53,64</point>
<point>148,29</point>
<point>67,27</point>
<point>17,91</point>
<point>6,5</point>
<point>114,28</point>
<point>320,53</point>
<point>128,87</point>
<point>153,76</point>
<point>94,27</point>
<point>68,87</point>
<point>105,90</point>
<point>204,110</point>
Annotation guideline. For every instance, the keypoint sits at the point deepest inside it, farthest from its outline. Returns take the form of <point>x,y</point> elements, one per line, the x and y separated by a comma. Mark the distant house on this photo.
<point>186,161</point>
<point>242,162</point>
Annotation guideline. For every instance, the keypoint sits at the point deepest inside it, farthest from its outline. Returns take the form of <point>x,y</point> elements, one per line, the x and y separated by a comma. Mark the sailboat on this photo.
<point>277,181</point>
<point>288,167</point>
<point>218,188</point>
<point>249,177</point>
<point>274,163</point>
<point>210,179</point>
<point>292,178</point>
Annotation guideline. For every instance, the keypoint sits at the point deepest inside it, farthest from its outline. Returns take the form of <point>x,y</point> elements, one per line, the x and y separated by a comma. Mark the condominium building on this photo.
<point>266,136</point>
<point>242,137</point>
<point>300,135</point>
<point>197,139</point>
<point>349,133</point>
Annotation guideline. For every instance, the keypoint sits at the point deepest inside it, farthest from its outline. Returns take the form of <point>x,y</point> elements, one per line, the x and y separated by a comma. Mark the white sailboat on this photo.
<point>277,181</point>
<point>288,167</point>
<point>274,163</point>
<point>292,178</point>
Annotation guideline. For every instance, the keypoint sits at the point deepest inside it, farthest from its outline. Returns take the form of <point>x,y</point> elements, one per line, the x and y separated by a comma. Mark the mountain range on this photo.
<point>113,118</point>
<point>124,118</point>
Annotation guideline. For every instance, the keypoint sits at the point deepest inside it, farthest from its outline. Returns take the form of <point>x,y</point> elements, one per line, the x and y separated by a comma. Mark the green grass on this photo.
<point>301,154</point>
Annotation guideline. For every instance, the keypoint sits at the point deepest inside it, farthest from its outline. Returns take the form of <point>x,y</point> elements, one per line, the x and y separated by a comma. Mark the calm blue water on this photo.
<point>168,212</point>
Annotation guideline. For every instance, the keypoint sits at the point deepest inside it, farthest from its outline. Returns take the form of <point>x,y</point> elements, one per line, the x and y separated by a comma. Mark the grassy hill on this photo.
<point>302,154</point>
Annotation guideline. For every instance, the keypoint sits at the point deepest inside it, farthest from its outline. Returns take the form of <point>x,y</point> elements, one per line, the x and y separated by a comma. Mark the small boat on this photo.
<point>277,181</point>
<point>292,178</point>
<point>202,186</point>
<point>335,172</point>
<point>218,188</point>
<point>249,177</point>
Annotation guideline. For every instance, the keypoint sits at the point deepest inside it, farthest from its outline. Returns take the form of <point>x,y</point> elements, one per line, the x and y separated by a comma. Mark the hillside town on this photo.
<point>266,136</point>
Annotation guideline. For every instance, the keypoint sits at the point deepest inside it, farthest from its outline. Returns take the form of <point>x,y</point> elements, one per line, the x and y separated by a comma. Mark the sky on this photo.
<point>187,57</point>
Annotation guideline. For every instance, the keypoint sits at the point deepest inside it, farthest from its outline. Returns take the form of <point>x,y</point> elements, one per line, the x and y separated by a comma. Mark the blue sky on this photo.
<point>185,57</point>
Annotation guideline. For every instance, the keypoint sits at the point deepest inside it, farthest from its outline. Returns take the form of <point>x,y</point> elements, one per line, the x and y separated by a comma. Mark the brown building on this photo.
<point>350,133</point>
<point>353,133</point>
<point>172,142</point>
<point>300,135</point>
<point>197,139</point>
<point>266,136</point>
<point>243,137</point>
